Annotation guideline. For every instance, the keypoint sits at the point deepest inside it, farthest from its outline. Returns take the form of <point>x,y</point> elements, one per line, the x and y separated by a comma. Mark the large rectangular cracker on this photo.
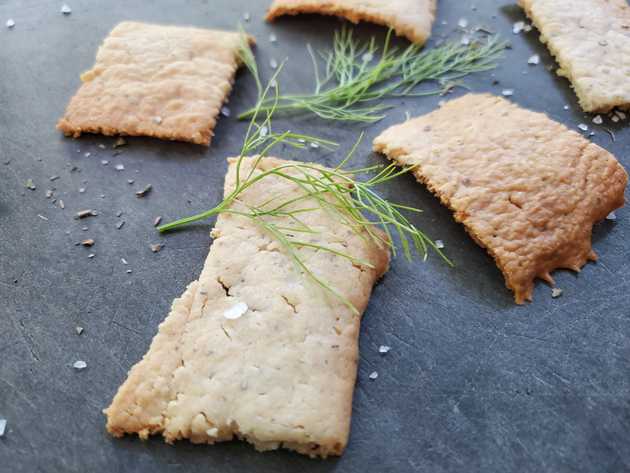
<point>591,41</point>
<point>410,18</point>
<point>168,82</point>
<point>283,374</point>
<point>525,187</point>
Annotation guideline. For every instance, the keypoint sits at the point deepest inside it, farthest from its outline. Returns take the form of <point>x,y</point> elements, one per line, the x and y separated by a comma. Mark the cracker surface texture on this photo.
<point>525,187</point>
<point>410,18</point>
<point>163,81</point>
<point>280,375</point>
<point>590,39</point>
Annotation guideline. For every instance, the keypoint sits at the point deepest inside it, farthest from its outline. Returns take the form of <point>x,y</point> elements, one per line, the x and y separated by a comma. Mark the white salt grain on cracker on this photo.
<point>162,81</point>
<point>590,39</point>
<point>410,18</point>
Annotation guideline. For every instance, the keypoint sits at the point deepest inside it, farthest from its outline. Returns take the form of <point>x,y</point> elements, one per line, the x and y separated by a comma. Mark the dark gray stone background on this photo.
<point>473,383</point>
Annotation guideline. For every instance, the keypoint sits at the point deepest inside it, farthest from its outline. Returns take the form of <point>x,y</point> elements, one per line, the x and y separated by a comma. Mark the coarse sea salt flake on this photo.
<point>65,9</point>
<point>10,23</point>
<point>534,60</point>
<point>236,311</point>
<point>79,365</point>
<point>508,92</point>
<point>3,426</point>
<point>373,375</point>
<point>598,120</point>
<point>583,126</point>
<point>384,349</point>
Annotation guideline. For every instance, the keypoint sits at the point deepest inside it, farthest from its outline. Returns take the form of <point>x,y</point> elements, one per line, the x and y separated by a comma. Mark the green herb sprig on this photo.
<point>354,83</point>
<point>354,202</point>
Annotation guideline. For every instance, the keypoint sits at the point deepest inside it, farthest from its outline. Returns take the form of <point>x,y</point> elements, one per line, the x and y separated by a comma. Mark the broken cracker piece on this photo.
<point>255,349</point>
<point>163,81</point>
<point>410,18</point>
<point>590,39</point>
<point>525,187</point>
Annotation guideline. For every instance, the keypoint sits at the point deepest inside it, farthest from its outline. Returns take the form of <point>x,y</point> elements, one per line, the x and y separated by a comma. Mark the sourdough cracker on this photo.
<point>167,82</point>
<point>525,187</point>
<point>410,18</point>
<point>254,350</point>
<point>590,39</point>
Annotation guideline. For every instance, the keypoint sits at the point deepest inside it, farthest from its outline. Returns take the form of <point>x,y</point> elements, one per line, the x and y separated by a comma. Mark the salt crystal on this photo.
<point>534,60</point>
<point>314,145</point>
<point>465,41</point>
<point>373,375</point>
<point>246,16</point>
<point>10,23</point>
<point>87,155</point>
<point>367,57</point>
<point>104,162</point>
<point>615,118</point>
<point>79,330</point>
<point>620,114</point>
<point>236,311</point>
<point>65,9</point>
<point>598,120</point>
<point>583,126</point>
<point>556,292</point>
<point>102,146</point>
<point>124,261</point>
<point>566,107</point>
<point>79,365</point>
<point>462,23</point>
<point>439,244</point>
<point>273,63</point>
<point>611,216</point>
<point>119,167</point>
<point>81,190</point>
<point>3,427</point>
<point>384,349</point>
<point>264,131</point>
<point>157,120</point>
<point>225,111</point>
<point>527,28</point>
<point>272,38</point>
<point>508,92</point>
<point>518,27</point>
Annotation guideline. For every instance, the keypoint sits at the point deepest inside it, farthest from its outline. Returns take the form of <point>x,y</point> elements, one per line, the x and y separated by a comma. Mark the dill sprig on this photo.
<point>354,83</point>
<point>354,202</point>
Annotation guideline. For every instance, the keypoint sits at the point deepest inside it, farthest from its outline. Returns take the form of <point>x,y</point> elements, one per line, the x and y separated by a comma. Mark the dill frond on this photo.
<point>355,82</point>
<point>355,203</point>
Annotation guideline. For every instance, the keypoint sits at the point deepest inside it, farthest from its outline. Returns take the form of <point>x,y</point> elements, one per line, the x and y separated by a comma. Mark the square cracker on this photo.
<point>163,81</point>
<point>590,39</point>
<point>525,187</point>
<point>283,374</point>
<point>410,18</point>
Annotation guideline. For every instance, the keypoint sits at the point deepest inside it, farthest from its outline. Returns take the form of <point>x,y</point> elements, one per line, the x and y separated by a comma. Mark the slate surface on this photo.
<point>473,383</point>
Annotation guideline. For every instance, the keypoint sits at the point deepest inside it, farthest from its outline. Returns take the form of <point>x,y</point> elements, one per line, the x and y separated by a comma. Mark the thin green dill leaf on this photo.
<point>355,85</point>
<point>353,203</point>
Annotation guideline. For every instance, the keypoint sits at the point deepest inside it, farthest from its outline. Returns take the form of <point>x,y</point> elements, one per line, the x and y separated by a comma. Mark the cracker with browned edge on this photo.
<point>283,373</point>
<point>525,187</point>
<point>590,39</point>
<point>410,18</point>
<point>168,82</point>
